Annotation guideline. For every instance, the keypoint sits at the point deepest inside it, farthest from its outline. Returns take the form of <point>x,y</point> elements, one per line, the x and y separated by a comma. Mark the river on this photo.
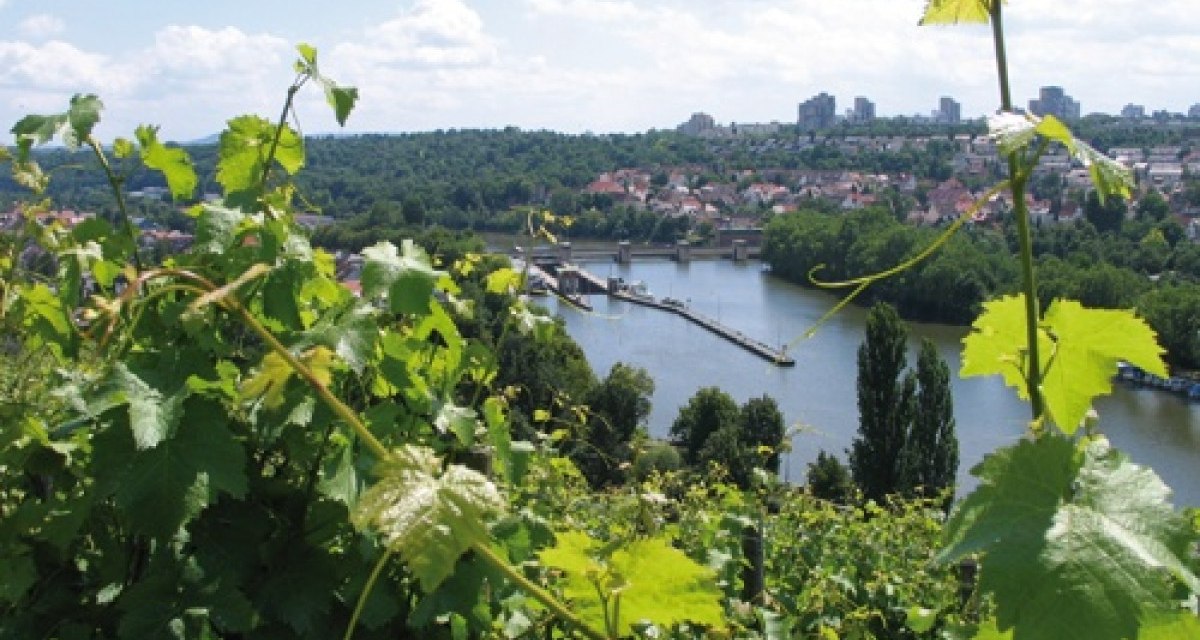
<point>818,396</point>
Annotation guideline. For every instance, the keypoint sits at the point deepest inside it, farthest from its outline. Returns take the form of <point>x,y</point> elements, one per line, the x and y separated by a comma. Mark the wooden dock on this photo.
<point>758,348</point>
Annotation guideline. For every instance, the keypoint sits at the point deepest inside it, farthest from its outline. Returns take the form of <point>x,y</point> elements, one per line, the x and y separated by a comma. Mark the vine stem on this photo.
<point>287,107</point>
<point>1017,180</point>
<point>114,182</point>
<point>344,412</point>
<point>366,592</point>
<point>538,593</point>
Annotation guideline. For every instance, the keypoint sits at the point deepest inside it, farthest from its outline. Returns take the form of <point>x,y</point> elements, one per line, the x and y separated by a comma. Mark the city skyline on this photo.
<point>577,65</point>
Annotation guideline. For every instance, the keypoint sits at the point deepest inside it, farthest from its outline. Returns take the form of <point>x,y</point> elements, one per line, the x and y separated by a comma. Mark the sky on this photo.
<point>575,65</point>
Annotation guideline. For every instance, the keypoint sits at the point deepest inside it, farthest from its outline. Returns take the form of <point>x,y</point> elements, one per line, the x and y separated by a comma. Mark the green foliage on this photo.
<point>707,412</point>
<point>857,572</point>
<point>828,479</point>
<point>1080,351</point>
<point>761,430</point>
<point>1059,517</point>
<point>1076,541</point>
<point>618,407</point>
<point>646,580</point>
<point>174,163</point>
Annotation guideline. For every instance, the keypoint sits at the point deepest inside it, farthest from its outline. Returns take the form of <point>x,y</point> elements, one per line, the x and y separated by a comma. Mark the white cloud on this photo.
<point>196,51</point>
<point>57,65</point>
<point>599,10</point>
<point>42,25</point>
<point>434,34</point>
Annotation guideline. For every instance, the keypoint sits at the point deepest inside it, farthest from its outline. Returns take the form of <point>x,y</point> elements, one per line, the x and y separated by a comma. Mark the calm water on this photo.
<point>817,396</point>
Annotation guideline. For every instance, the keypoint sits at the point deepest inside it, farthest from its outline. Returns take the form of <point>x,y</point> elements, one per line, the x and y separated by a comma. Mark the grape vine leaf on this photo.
<point>654,581</point>
<point>1014,132</point>
<point>428,516</point>
<point>168,485</point>
<point>461,421</point>
<point>1077,542</point>
<point>406,276</point>
<point>1109,177</point>
<point>74,126</point>
<point>1079,349</point>
<point>152,417</point>
<point>957,11</point>
<point>243,152</point>
<point>173,162</point>
<point>340,98</point>
<point>354,335</point>
<point>1088,345</point>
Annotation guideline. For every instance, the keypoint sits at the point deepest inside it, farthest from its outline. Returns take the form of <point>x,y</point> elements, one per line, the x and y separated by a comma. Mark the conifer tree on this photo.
<point>885,405</point>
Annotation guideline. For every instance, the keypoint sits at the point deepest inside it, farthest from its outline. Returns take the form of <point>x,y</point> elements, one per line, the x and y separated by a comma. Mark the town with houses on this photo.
<point>739,199</point>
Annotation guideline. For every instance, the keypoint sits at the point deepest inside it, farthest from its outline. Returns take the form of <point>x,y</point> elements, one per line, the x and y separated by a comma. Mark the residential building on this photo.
<point>1194,112</point>
<point>698,124</point>
<point>1133,112</point>
<point>818,112</point>
<point>1054,101</point>
<point>949,111</point>
<point>864,110</point>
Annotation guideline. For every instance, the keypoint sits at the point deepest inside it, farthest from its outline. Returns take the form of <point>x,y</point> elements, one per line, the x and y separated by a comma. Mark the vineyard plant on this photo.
<point>230,443</point>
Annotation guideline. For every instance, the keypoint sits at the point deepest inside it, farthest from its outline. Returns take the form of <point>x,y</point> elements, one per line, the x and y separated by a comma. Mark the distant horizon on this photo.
<point>574,66</point>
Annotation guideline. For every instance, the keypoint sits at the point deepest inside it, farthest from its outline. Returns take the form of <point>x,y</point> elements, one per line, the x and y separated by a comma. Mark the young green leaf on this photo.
<point>1088,344</point>
<point>957,11</point>
<point>342,100</point>
<point>406,276</point>
<point>653,580</point>
<point>1078,542</point>
<point>1108,176</point>
<point>308,53</point>
<point>1079,348</point>
<point>1015,132</point>
<point>997,343</point>
<point>428,516</point>
<point>174,163</point>
<point>82,117</point>
<point>74,126</point>
<point>243,156</point>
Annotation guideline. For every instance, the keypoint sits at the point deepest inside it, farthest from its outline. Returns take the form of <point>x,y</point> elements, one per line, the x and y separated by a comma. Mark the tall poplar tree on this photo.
<point>885,405</point>
<point>931,454</point>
